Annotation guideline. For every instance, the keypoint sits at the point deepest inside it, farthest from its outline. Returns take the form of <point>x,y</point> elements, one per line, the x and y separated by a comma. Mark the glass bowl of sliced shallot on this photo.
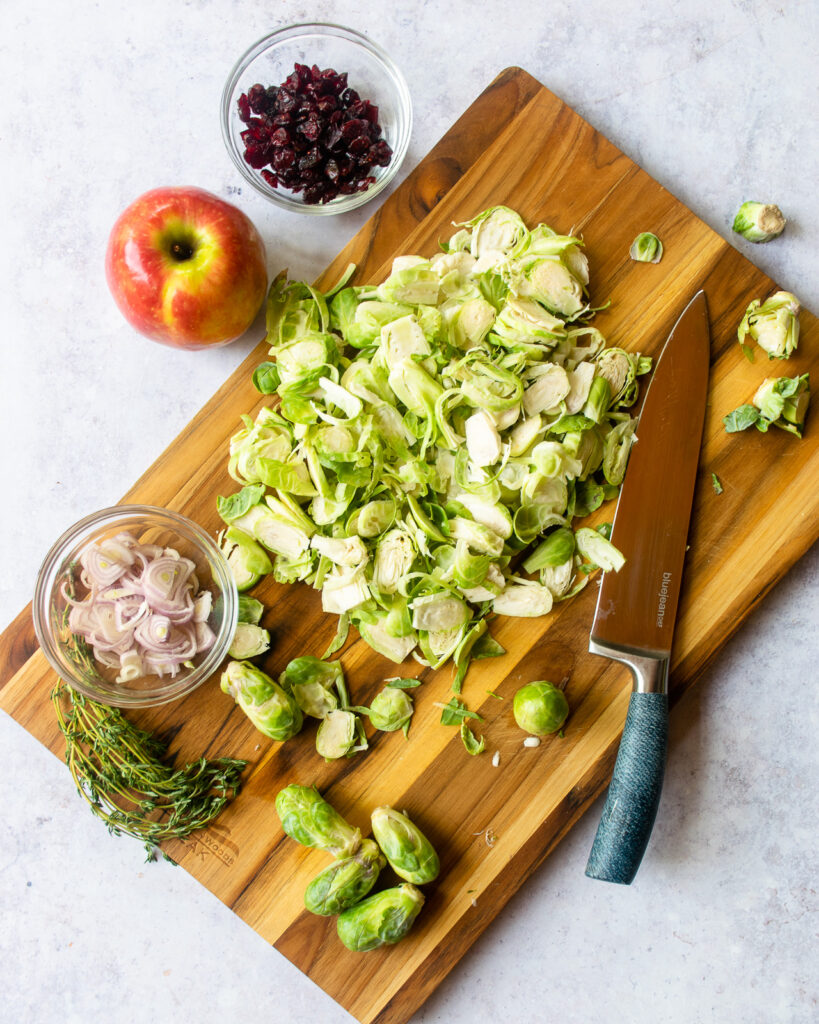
<point>135,606</point>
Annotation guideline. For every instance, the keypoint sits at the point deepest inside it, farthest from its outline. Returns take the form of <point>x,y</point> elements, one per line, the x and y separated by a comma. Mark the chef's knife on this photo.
<point>636,609</point>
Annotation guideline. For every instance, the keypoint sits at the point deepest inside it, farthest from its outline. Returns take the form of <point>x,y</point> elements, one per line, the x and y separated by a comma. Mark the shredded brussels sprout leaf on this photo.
<point>427,429</point>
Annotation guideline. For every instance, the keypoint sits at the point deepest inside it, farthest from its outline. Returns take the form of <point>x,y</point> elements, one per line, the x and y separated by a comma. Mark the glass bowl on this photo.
<point>370,72</point>
<point>60,571</point>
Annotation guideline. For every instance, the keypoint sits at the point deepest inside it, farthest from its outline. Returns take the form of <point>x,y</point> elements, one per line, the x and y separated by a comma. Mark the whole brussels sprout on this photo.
<point>308,818</point>
<point>265,703</point>
<point>540,708</point>
<point>380,920</point>
<point>345,882</point>
<point>409,852</point>
<point>391,709</point>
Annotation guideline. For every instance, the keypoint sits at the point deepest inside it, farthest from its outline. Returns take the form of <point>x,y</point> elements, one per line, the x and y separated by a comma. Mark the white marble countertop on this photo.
<point>101,102</point>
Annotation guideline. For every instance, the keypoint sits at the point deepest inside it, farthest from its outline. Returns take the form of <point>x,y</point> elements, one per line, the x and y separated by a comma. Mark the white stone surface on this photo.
<point>717,100</point>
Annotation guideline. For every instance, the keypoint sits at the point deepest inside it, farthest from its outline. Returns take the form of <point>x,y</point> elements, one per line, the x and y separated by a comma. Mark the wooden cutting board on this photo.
<point>519,145</point>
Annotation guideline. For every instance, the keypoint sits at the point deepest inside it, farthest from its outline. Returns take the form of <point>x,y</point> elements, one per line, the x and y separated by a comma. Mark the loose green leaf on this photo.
<point>403,684</point>
<point>716,483</point>
<point>740,419</point>
<point>473,745</point>
<point>455,712</point>
<point>487,647</point>
<point>236,505</point>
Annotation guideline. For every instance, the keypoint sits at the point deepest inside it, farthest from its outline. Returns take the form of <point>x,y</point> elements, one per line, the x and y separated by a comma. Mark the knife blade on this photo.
<point>637,607</point>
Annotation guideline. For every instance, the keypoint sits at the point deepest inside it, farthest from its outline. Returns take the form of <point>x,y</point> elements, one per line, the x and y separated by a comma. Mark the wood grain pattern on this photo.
<point>520,145</point>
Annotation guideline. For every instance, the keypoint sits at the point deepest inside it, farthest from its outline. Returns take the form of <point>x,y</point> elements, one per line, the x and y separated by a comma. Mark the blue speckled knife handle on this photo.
<point>634,793</point>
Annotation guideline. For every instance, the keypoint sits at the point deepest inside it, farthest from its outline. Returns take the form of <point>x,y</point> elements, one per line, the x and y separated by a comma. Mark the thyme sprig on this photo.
<point>127,780</point>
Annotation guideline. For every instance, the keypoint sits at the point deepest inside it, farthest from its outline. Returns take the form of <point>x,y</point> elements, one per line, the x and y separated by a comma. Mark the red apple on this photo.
<point>186,268</point>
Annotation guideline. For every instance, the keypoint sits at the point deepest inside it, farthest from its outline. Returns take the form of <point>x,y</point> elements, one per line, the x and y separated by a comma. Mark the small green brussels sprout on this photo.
<point>380,920</point>
<point>772,324</point>
<point>337,734</point>
<point>409,852</point>
<point>391,709</point>
<point>249,640</point>
<point>308,818</point>
<point>540,708</point>
<point>646,248</point>
<point>312,681</point>
<point>759,222</point>
<point>345,882</point>
<point>266,704</point>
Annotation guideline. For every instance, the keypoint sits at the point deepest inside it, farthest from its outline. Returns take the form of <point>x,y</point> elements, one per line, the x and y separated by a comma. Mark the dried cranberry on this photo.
<point>381,153</point>
<point>349,96</point>
<point>280,137</point>
<point>257,98</point>
<point>243,104</point>
<point>284,158</point>
<point>346,166</point>
<point>333,139</point>
<point>353,128</point>
<point>311,129</point>
<point>256,155</point>
<point>331,170</point>
<point>270,178</point>
<point>285,101</point>
<point>311,158</point>
<point>359,146</point>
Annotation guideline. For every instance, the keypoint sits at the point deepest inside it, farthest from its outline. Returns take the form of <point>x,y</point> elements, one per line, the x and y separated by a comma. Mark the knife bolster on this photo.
<point>650,672</point>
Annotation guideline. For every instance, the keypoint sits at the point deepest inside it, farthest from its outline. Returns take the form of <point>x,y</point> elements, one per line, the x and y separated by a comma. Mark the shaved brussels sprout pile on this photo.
<point>428,429</point>
<point>340,889</point>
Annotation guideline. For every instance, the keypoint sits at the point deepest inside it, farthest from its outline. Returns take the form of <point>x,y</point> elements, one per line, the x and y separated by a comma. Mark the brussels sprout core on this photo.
<point>759,222</point>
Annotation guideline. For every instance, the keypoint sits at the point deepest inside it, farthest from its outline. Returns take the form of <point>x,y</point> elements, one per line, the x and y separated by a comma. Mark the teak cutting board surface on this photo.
<point>518,145</point>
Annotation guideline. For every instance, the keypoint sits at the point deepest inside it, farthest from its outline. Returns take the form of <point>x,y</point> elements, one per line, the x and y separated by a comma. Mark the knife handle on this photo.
<point>634,793</point>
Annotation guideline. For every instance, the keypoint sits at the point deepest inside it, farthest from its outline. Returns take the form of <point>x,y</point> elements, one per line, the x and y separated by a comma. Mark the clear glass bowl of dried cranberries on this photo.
<point>317,118</point>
